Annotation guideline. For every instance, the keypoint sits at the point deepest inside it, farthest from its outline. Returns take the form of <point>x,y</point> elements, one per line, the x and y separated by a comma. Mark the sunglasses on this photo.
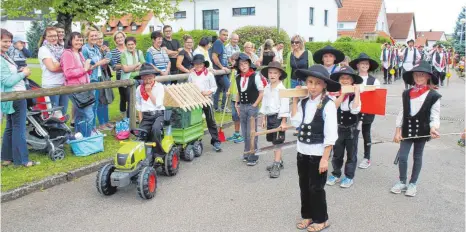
<point>295,42</point>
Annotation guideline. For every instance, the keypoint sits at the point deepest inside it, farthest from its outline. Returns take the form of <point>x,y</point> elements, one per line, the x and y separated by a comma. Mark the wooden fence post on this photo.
<point>132,106</point>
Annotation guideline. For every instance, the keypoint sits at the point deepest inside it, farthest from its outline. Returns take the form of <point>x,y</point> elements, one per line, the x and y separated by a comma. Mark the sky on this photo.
<point>438,15</point>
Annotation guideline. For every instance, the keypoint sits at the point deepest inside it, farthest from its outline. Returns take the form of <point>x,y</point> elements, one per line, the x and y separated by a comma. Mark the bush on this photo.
<point>143,42</point>
<point>34,34</point>
<point>351,49</point>
<point>344,39</point>
<point>382,40</point>
<point>258,34</point>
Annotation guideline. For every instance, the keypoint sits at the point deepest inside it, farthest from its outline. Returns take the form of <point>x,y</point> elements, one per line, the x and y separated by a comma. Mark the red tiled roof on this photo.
<point>400,24</point>
<point>421,40</point>
<point>126,21</point>
<point>383,34</point>
<point>368,18</point>
<point>431,35</point>
<point>346,15</point>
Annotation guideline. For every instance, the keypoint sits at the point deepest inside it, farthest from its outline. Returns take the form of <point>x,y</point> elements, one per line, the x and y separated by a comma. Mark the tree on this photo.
<point>65,11</point>
<point>459,36</point>
<point>35,33</point>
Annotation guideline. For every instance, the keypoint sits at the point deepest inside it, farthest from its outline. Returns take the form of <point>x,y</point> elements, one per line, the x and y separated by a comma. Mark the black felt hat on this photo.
<point>145,70</point>
<point>411,40</point>
<point>199,58</point>
<point>244,56</point>
<point>276,65</point>
<point>347,71</point>
<point>424,67</point>
<point>373,65</point>
<point>319,54</point>
<point>320,72</point>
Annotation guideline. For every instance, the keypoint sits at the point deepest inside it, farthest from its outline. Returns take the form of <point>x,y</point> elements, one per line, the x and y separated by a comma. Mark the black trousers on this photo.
<point>407,86</point>
<point>347,139</point>
<point>439,75</point>
<point>386,75</point>
<point>153,124</point>
<point>211,124</point>
<point>366,135</point>
<point>124,99</point>
<point>311,184</point>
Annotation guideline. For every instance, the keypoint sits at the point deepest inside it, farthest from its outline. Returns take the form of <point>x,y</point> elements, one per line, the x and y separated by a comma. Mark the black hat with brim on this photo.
<point>411,40</point>
<point>347,71</point>
<point>244,56</point>
<point>423,67</point>
<point>320,72</point>
<point>199,58</point>
<point>373,65</point>
<point>146,69</point>
<point>275,65</point>
<point>319,54</point>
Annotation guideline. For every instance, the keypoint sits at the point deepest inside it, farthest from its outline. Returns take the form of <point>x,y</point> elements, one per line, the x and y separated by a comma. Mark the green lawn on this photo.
<point>13,177</point>
<point>32,61</point>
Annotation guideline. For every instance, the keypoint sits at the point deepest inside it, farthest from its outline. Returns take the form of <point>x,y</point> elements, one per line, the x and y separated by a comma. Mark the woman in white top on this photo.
<point>49,58</point>
<point>203,49</point>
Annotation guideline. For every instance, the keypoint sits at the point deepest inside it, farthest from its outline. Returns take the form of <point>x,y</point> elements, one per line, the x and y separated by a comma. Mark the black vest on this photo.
<point>251,94</point>
<point>367,118</point>
<point>313,133</point>
<point>417,125</point>
<point>346,118</point>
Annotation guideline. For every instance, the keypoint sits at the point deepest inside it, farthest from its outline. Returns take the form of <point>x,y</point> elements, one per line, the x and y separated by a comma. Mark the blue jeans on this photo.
<point>60,100</point>
<point>295,82</point>
<point>234,113</point>
<point>223,84</point>
<point>83,119</point>
<point>100,110</point>
<point>246,112</point>
<point>14,146</point>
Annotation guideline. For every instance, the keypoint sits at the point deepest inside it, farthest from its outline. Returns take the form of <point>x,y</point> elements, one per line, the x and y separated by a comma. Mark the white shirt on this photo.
<point>415,106</point>
<point>146,105</point>
<point>273,104</point>
<point>408,60</point>
<point>346,105</point>
<point>204,82</point>
<point>438,65</point>
<point>387,57</point>
<point>257,80</point>
<point>330,127</point>
<point>279,55</point>
<point>364,83</point>
<point>49,79</point>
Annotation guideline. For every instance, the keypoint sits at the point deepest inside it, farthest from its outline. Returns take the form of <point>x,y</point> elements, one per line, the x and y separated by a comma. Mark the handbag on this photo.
<point>83,99</point>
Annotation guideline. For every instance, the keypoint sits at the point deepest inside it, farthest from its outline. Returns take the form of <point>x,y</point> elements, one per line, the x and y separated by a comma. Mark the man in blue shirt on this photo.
<point>220,62</point>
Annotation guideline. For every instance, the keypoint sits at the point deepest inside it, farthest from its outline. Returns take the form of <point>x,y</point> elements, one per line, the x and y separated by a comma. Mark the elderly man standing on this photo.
<point>232,47</point>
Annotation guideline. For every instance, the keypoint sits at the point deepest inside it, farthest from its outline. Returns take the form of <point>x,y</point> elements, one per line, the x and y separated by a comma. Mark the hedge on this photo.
<point>258,34</point>
<point>143,42</point>
<point>351,49</point>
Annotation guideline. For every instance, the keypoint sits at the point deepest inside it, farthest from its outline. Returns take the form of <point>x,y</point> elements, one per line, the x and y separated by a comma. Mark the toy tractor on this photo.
<point>137,162</point>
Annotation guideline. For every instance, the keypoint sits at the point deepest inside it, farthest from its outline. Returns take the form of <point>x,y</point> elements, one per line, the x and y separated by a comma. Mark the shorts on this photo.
<point>273,121</point>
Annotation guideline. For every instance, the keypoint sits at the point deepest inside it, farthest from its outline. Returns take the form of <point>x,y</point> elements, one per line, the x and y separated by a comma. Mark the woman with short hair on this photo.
<point>184,62</point>
<point>157,55</point>
<point>119,39</point>
<point>203,49</point>
<point>249,50</point>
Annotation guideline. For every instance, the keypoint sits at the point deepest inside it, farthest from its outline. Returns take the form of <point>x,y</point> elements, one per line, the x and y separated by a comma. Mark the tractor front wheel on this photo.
<point>189,153</point>
<point>103,183</point>
<point>147,183</point>
<point>172,162</point>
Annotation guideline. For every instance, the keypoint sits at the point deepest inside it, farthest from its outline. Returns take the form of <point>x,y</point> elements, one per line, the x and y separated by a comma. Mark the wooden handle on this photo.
<point>272,131</point>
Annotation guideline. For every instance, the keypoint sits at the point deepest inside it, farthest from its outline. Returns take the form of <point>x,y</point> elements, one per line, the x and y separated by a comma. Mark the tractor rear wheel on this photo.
<point>172,162</point>
<point>103,183</point>
<point>198,148</point>
<point>147,183</point>
<point>189,153</point>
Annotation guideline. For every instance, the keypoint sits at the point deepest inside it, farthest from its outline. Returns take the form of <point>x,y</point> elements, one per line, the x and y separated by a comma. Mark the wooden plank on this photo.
<point>174,95</point>
<point>132,107</point>
<point>180,96</point>
<point>204,100</point>
<point>188,95</point>
<point>185,96</point>
<point>252,137</point>
<point>289,93</point>
<point>194,93</point>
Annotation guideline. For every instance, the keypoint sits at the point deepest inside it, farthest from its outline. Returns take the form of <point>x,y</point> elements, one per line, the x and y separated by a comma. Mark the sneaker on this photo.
<point>411,191</point>
<point>245,158</point>
<point>217,147</point>
<point>332,180</point>
<point>275,170</point>
<point>252,162</point>
<point>346,182</point>
<point>239,139</point>
<point>398,188</point>
<point>280,165</point>
<point>365,164</point>
<point>233,137</point>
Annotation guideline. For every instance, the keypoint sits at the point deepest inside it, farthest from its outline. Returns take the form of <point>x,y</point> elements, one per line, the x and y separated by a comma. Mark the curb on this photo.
<point>63,177</point>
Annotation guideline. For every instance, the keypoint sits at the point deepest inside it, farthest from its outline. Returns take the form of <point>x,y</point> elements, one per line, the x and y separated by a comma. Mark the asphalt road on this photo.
<point>218,192</point>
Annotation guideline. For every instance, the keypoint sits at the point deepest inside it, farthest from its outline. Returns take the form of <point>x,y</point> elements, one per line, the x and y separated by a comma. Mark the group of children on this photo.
<point>327,120</point>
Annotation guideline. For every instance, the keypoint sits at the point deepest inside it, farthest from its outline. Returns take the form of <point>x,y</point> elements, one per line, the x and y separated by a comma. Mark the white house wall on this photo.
<point>291,12</point>
<point>382,24</point>
<point>412,33</point>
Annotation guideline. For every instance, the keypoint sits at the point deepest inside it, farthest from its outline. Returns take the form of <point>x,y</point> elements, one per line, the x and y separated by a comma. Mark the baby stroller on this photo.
<point>46,130</point>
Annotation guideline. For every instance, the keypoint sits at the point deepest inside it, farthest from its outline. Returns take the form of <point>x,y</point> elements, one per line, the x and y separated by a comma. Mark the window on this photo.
<point>311,15</point>
<point>120,27</point>
<point>341,26</point>
<point>20,27</point>
<point>210,19</point>
<point>134,27</point>
<point>151,29</point>
<point>326,18</point>
<point>108,28</point>
<point>180,15</point>
<point>366,37</point>
<point>244,11</point>
<point>311,39</point>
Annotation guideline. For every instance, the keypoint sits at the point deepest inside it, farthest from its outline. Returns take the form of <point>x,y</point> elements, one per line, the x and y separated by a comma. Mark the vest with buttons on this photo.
<point>346,118</point>
<point>417,125</point>
<point>367,118</point>
<point>313,133</point>
<point>250,95</point>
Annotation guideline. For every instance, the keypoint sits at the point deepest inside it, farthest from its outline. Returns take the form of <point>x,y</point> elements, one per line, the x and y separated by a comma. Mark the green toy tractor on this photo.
<point>137,162</point>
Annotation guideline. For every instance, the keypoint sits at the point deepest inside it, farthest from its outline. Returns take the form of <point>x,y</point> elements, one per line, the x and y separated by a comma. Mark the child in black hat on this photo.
<point>348,107</point>
<point>364,64</point>
<point>329,57</point>
<point>205,80</point>
<point>275,111</point>
<point>250,93</point>
<point>420,116</point>
<point>316,116</point>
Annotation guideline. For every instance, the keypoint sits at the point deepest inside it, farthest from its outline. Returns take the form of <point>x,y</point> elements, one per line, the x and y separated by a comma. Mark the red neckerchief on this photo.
<point>346,95</point>
<point>418,90</point>
<point>246,76</point>
<point>144,94</point>
<point>204,70</point>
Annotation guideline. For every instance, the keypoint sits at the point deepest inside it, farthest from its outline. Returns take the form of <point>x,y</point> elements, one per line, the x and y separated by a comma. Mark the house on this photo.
<point>131,25</point>
<point>363,19</point>
<point>402,26</point>
<point>317,19</point>
<point>433,36</point>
